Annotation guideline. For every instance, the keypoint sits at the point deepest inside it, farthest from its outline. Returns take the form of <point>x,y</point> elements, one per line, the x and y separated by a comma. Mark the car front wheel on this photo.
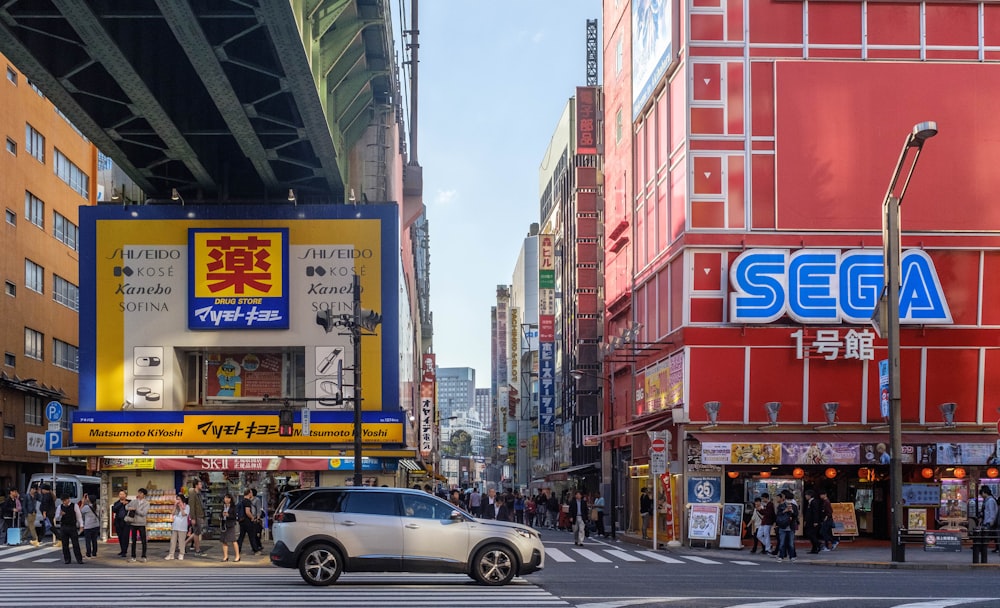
<point>494,565</point>
<point>320,565</point>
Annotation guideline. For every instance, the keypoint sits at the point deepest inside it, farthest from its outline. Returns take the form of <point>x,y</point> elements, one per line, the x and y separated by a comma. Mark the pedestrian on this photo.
<point>48,506</point>
<point>989,520</point>
<point>645,510</point>
<point>812,518</point>
<point>597,514</point>
<point>10,511</point>
<point>258,524</point>
<point>475,502</point>
<point>246,515</point>
<point>227,523</point>
<point>530,510</point>
<point>826,525</point>
<point>179,527</point>
<point>487,508</point>
<point>138,509</point>
<point>198,520</point>
<point>518,508</point>
<point>754,524</point>
<point>786,520</point>
<point>29,506</point>
<point>766,521</point>
<point>579,514</point>
<point>70,522</point>
<point>552,510</point>
<point>91,525</point>
<point>564,521</point>
<point>122,528</point>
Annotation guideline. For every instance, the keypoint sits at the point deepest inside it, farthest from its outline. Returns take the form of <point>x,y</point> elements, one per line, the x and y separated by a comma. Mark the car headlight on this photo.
<point>526,533</point>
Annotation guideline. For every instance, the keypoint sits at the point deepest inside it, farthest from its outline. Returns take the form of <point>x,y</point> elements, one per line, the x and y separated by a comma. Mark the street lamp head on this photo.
<point>922,131</point>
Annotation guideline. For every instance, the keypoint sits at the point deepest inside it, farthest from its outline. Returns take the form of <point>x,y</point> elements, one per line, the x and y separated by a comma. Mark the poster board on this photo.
<point>703,522</point>
<point>845,521</point>
<point>731,536</point>
<point>916,519</point>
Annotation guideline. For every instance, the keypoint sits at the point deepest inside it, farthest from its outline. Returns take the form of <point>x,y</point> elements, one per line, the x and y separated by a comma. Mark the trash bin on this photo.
<point>980,544</point>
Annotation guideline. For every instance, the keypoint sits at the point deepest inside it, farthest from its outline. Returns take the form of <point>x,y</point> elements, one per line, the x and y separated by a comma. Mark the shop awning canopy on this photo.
<point>909,437</point>
<point>640,425</point>
<point>564,474</point>
<point>83,452</point>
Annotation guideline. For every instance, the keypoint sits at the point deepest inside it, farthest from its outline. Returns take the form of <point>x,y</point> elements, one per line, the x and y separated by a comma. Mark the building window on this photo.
<point>34,276</point>
<point>66,231</point>
<point>65,293</point>
<point>12,146</point>
<point>8,431</point>
<point>619,53</point>
<point>67,417</point>
<point>618,126</point>
<point>10,288</point>
<point>34,87</point>
<point>33,410</point>
<point>34,209</point>
<point>11,218</point>
<point>9,359</point>
<point>72,175</point>
<point>33,343</point>
<point>34,143</point>
<point>65,355</point>
<point>12,75</point>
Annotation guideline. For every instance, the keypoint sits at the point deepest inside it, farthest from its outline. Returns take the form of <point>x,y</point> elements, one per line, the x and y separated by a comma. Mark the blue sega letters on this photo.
<point>830,286</point>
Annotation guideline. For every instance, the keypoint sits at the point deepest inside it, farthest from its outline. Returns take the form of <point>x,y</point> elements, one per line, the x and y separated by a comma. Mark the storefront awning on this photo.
<point>647,423</point>
<point>410,465</point>
<point>910,437</point>
<point>564,474</point>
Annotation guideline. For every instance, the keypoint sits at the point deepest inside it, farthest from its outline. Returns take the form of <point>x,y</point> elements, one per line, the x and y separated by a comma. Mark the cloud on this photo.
<point>538,37</point>
<point>443,198</point>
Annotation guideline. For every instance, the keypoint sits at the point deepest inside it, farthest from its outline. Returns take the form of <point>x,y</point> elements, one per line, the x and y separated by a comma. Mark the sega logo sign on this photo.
<point>830,286</point>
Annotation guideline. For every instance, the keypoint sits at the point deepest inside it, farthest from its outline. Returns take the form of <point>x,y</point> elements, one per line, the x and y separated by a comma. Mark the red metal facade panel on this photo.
<point>708,121</point>
<point>895,24</point>
<point>834,23</point>
<point>959,274</point>
<point>707,81</point>
<point>909,381</point>
<point>678,112</point>
<point>734,20</point>
<point>651,237</point>
<point>663,214</point>
<point>838,380</point>
<point>766,385</point>
<point>663,140</point>
<point>991,288</point>
<point>776,22</point>
<point>707,271</point>
<point>762,98</point>
<point>832,177</point>
<point>762,192</point>
<point>707,310</point>
<point>675,270</point>
<point>991,25</point>
<point>662,306</point>
<point>709,27</point>
<point>720,378</point>
<point>991,385</point>
<point>953,375</point>
<point>837,53</point>
<point>707,177</point>
<point>678,195</point>
<point>952,24</point>
<point>705,214</point>
<point>735,196</point>
<point>734,98</point>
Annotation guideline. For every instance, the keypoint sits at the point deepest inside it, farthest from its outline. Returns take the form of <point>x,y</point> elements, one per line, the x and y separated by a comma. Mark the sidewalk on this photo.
<point>859,553</point>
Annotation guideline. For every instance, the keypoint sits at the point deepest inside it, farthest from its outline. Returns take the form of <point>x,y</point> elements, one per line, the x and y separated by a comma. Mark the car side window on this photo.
<point>424,508</point>
<point>326,502</point>
<point>370,503</point>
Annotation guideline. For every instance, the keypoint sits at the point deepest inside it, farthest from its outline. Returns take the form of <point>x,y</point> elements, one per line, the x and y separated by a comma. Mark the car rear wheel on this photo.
<point>494,565</point>
<point>320,565</point>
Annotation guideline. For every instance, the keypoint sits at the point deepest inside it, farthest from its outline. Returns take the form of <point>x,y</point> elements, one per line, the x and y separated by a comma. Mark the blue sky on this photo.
<point>494,78</point>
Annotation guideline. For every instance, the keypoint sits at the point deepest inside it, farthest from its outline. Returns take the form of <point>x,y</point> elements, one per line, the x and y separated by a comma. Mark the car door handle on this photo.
<point>348,523</point>
<point>413,526</point>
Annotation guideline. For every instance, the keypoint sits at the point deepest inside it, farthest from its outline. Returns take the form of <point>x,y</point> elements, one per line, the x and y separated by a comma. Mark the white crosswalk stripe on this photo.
<point>624,555</point>
<point>700,560</point>
<point>661,557</point>
<point>158,587</point>
<point>606,554</point>
<point>28,552</point>
<point>592,556</point>
<point>557,555</point>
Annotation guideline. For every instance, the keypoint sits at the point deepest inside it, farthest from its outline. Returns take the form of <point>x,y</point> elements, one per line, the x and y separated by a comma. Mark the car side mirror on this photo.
<point>456,515</point>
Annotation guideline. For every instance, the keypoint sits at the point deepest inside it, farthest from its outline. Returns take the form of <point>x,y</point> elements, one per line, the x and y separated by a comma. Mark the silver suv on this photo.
<point>326,531</point>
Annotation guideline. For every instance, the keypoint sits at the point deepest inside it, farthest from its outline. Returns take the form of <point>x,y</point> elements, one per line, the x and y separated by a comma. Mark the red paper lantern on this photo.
<point>927,473</point>
<point>765,474</point>
<point>798,473</point>
<point>959,473</point>
<point>830,473</point>
<point>993,472</point>
<point>733,474</point>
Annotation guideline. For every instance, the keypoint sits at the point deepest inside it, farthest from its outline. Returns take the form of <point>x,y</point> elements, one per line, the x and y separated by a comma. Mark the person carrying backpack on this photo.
<point>786,520</point>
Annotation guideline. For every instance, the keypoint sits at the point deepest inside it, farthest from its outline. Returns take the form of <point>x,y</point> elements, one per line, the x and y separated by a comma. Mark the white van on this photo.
<point>73,485</point>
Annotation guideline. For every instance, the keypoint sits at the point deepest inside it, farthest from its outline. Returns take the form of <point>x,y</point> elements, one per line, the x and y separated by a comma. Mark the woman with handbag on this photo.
<point>229,526</point>
<point>135,517</point>
<point>597,513</point>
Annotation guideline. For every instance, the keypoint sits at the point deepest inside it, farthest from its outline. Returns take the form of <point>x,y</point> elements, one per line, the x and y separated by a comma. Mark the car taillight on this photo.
<point>284,517</point>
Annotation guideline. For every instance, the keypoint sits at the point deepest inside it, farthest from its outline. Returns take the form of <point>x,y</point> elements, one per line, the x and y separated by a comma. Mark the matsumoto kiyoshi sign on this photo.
<point>831,286</point>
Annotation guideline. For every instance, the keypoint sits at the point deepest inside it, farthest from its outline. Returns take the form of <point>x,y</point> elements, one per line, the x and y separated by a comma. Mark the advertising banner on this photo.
<point>704,489</point>
<point>426,430</point>
<point>819,453</point>
<point>703,522</point>
<point>586,120</point>
<point>228,428</point>
<point>731,535</point>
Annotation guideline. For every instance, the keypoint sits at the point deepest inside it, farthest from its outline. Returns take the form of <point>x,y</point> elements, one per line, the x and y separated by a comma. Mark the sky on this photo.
<point>494,78</point>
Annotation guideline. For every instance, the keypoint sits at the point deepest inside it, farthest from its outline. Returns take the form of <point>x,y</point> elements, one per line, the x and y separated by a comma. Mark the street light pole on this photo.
<point>890,300</point>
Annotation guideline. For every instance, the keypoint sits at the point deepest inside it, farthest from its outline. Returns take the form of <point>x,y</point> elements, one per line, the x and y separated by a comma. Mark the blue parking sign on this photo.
<point>54,411</point>
<point>53,440</point>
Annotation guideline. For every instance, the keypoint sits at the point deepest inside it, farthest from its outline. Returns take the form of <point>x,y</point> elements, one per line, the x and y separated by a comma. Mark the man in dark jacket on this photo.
<point>579,514</point>
<point>812,518</point>
<point>48,508</point>
<point>766,523</point>
<point>29,506</point>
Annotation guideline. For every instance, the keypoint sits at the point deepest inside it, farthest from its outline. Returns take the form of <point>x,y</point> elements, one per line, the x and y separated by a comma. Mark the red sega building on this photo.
<point>748,147</point>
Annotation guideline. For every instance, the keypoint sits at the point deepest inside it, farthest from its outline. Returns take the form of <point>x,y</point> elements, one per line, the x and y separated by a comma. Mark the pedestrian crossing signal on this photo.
<point>286,422</point>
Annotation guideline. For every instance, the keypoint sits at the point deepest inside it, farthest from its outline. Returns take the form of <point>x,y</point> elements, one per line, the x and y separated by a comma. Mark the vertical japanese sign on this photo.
<point>515,354</point>
<point>425,432</point>
<point>238,278</point>
<point>503,306</point>
<point>883,388</point>
<point>586,120</point>
<point>546,333</point>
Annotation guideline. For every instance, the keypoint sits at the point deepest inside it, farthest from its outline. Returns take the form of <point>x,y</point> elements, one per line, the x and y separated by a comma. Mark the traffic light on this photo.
<point>369,319</point>
<point>324,318</point>
<point>286,422</point>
